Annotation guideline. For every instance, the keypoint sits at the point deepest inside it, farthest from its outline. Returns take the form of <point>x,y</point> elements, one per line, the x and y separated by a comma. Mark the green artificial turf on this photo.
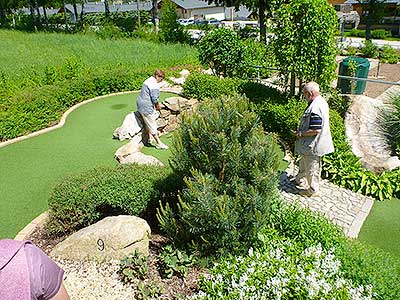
<point>30,168</point>
<point>382,227</point>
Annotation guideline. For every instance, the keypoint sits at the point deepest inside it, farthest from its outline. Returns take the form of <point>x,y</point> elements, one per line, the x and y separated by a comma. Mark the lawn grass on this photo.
<point>382,227</point>
<point>25,52</point>
<point>31,168</point>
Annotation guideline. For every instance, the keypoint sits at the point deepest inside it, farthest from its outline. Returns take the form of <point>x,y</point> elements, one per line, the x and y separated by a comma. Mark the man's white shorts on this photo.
<point>150,122</point>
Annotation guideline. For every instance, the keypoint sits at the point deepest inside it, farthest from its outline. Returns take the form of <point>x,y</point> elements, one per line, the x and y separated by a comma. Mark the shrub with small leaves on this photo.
<point>133,267</point>
<point>83,199</point>
<point>174,262</point>
<point>370,49</point>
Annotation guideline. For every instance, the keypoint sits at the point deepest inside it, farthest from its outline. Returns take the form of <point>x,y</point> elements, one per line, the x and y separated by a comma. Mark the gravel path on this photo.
<point>93,281</point>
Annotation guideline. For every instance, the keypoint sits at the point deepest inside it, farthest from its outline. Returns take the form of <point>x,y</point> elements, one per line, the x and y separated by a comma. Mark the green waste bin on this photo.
<point>361,72</point>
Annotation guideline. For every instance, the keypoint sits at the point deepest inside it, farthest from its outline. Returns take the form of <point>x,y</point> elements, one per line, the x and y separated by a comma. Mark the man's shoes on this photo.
<point>309,193</point>
<point>162,146</point>
<point>299,184</point>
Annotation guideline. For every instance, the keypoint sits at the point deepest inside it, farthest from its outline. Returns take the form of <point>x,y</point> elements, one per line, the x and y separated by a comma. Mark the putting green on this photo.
<point>30,168</point>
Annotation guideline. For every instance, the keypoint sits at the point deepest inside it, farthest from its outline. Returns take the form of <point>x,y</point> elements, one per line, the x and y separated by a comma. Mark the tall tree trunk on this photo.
<point>106,8</point>
<point>46,20</point>
<point>65,15</point>
<point>38,13</point>
<point>154,12</point>
<point>261,19</point>
<point>138,11</point>
<point>82,13</point>
<point>2,15</point>
<point>32,13</point>
<point>292,84</point>
<point>75,11</point>
<point>368,34</point>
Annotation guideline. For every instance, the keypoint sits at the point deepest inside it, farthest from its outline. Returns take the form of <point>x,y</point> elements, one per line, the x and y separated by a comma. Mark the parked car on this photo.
<point>186,22</point>
<point>214,22</point>
<point>200,22</point>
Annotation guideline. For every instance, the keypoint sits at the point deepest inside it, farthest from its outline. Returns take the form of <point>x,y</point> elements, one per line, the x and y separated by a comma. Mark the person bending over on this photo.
<point>149,107</point>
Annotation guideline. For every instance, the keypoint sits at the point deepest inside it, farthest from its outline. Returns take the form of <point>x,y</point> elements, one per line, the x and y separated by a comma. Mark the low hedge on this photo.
<point>201,86</point>
<point>40,107</point>
<point>83,199</point>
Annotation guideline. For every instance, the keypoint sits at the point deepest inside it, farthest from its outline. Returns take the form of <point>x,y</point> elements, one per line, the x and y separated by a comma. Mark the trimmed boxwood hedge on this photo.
<point>83,199</point>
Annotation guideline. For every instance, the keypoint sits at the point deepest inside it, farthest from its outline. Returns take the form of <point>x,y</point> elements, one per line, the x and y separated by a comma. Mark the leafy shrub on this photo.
<point>381,34</point>
<point>83,199</point>
<point>133,267</point>
<point>305,227</point>
<point>376,34</point>
<point>148,290</point>
<point>174,262</point>
<point>109,31</point>
<point>389,55</point>
<point>201,86</point>
<point>222,50</point>
<point>281,270</point>
<point>352,51</point>
<point>370,49</point>
<point>282,118</point>
<point>337,102</point>
<point>229,167</point>
<point>344,169</point>
<point>357,32</point>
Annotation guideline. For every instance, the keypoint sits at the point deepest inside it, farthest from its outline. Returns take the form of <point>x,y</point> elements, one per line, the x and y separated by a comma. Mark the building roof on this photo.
<point>191,4</point>
<point>384,1</point>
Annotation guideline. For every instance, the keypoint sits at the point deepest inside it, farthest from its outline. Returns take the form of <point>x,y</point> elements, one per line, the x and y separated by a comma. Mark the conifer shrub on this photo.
<point>83,199</point>
<point>229,166</point>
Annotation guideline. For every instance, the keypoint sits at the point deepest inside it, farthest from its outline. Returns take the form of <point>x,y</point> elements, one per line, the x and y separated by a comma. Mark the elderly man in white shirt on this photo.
<point>313,140</point>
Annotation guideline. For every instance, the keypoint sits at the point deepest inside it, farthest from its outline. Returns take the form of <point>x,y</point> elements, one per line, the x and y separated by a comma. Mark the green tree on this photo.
<point>373,11</point>
<point>304,42</point>
<point>223,51</point>
<point>170,29</point>
<point>264,9</point>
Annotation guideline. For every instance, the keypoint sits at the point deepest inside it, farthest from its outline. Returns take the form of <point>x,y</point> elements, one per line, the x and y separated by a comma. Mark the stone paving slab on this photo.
<point>343,207</point>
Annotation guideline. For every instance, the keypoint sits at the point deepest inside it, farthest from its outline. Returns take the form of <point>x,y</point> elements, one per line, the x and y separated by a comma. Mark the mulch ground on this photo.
<point>386,72</point>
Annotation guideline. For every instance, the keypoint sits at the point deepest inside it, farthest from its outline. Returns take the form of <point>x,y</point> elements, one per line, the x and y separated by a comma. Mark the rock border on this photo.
<point>30,228</point>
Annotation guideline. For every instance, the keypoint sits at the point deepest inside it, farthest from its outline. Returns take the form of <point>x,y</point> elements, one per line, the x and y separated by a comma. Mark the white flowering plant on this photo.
<point>281,270</point>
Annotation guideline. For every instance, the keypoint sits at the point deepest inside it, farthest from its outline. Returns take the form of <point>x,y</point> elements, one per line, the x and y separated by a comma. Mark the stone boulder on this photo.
<point>108,239</point>
<point>366,141</point>
<point>175,104</point>
<point>141,159</point>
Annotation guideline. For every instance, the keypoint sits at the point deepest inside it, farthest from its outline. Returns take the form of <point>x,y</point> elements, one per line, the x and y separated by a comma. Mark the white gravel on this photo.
<point>94,281</point>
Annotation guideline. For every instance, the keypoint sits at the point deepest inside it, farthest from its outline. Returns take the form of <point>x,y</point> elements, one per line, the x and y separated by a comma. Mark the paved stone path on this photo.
<point>343,207</point>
